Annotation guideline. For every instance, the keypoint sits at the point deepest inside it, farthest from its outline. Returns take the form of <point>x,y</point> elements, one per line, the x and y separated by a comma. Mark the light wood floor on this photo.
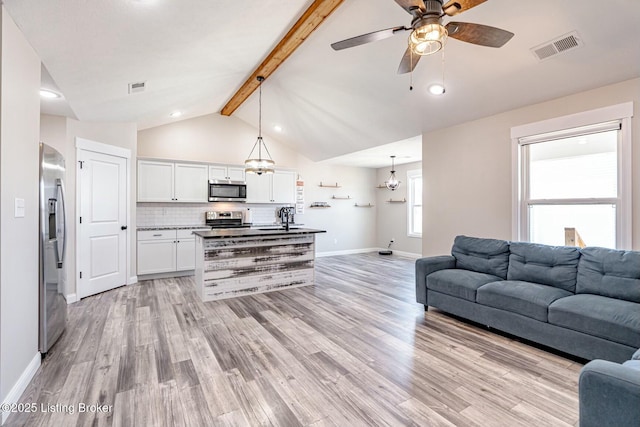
<point>353,350</point>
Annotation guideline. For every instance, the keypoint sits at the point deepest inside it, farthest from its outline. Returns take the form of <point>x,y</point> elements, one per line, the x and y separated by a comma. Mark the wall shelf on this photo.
<point>368,205</point>
<point>397,201</point>
<point>341,197</point>
<point>329,185</point>
<point>319,204</point>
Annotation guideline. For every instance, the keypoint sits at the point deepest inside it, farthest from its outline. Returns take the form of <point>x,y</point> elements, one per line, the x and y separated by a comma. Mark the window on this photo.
<point>573,182</point>
<point>414,203</point>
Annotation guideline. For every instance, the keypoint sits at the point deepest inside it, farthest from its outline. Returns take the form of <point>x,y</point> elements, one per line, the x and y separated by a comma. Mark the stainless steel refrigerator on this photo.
<point>53,236</point>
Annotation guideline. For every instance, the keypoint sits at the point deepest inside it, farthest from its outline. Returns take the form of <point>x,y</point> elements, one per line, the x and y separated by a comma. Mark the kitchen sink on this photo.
<point>277,229</point>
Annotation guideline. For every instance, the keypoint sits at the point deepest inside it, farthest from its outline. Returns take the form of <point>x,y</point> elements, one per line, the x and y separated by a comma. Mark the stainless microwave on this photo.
<point>222,190</point>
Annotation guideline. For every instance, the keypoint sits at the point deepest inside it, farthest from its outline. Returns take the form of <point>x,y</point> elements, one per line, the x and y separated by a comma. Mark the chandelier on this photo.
<point>392,183</point>
<point>259,165</point>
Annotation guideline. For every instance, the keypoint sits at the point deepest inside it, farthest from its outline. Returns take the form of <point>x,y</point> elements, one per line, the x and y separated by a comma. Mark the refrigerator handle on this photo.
<point>64,222</point>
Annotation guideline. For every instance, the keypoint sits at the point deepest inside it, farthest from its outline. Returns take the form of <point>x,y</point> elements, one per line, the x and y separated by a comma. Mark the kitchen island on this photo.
<point>243,261</point>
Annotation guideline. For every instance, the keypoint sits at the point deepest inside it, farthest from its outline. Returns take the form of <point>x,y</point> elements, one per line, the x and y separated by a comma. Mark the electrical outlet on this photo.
<point>335,241</point>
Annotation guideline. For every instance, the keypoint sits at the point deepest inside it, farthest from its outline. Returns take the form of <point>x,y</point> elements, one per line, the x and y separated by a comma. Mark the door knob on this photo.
<point>124,227</point>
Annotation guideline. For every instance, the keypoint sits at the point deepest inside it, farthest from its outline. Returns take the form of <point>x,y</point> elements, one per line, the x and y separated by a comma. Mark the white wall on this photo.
<point>216,138</point>
<point>392,217</point>
<point>19,122</point>
<point>61,133</point>
<point>466,169</point>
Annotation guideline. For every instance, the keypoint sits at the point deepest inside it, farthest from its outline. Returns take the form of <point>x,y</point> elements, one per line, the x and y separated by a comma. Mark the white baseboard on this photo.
<point>346,252</point>
<point>406,254</point>
<point>132,280</point>
<point>21,385</point>
<point>365,250</point>
<point>71,298</point>
<point>166,275</point>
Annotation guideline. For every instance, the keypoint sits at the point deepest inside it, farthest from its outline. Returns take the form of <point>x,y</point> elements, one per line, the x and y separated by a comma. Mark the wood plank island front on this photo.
<point>237,262</point>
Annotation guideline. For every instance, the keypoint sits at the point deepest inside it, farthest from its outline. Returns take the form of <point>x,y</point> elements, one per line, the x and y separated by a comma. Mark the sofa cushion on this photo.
<point>548,265</point>
<point>608,318</point>
<point>489,256</point>
<point>458,283</point>
<point>609,272</point>
<point>633,364</point>
<point>636,355</point>
<point>525,298</point>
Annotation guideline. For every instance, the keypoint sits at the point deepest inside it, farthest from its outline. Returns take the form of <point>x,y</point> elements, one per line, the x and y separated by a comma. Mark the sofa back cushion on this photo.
<point>609,272</point>
<point>547,265</point>
<point>489,256</point>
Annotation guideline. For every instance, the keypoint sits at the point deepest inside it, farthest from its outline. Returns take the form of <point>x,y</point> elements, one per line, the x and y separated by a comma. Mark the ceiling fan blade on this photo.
<point>410,5</point>
<point>455,7</point>
<point>367,38</point>
<point>483,35</point>
<point>408,62</point>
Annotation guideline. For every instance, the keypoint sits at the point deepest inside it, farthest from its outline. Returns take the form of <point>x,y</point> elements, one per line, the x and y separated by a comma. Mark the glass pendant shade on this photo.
<point>428,39</point>
<point>392,183</point>
<point>259,165</point>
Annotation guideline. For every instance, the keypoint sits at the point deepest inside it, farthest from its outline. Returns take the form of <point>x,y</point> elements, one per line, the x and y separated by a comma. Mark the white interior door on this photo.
<point>102,179</point>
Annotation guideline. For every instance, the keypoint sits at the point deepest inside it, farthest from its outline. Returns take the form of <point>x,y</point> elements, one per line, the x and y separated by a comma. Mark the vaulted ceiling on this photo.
<point>194,55</point>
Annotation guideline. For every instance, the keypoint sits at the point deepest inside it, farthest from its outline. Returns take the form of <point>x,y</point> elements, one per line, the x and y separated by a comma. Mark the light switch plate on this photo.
<point>19,208</point>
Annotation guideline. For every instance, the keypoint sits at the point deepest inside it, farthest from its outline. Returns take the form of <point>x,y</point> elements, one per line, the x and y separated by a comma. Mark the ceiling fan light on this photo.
<point>428,39</point>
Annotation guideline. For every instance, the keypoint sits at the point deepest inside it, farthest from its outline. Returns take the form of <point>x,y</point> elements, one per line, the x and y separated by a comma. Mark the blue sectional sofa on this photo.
<point>610,393</point>
<point>584,302</point>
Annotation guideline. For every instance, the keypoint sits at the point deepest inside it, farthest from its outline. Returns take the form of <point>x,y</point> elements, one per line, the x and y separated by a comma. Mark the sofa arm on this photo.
<point>609,395</point>
<point>426,266</point>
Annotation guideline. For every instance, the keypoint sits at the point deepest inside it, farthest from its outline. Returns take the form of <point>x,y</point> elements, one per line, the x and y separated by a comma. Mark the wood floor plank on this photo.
<point>355,349</point>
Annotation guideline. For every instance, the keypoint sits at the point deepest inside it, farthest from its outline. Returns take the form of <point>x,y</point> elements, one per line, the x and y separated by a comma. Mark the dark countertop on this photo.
<point>251,232</point>
<point>171,227</point>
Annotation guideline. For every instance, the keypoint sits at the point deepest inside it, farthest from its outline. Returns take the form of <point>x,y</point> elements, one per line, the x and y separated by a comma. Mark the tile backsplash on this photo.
<point>156,214</point>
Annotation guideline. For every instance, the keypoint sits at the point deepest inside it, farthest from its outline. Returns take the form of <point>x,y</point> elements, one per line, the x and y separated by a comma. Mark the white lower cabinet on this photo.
<point>165,251</point>
<point>185,250</point>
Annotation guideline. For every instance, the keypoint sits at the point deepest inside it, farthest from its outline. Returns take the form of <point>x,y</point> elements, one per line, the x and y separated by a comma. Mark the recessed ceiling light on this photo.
<point>175,114</point>
<point>277,128</point>
<point>436,89</point>
<point>46,93</point>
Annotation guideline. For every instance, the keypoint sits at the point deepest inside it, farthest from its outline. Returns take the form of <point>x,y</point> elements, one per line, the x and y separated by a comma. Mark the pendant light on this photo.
<point>392,183</point>
<point>259,165</point>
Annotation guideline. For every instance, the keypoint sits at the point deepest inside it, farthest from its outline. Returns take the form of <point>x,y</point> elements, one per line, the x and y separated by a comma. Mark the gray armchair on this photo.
<point>610,393</point>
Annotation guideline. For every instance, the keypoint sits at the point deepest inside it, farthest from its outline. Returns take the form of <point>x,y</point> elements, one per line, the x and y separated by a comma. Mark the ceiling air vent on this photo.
<point>561,44</point>
<point>136,87</point>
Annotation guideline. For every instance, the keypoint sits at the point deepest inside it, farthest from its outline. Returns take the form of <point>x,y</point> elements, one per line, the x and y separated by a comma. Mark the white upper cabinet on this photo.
<point>278,187</point>
<point>258,188</point>
<point>191,183</point>
<point>233,173</point>
<point>172,182</point>
<point>284,187</point>
<point>155,181</point>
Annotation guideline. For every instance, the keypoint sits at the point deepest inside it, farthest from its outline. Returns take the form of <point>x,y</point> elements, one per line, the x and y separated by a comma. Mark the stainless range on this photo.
<point>225,219</point>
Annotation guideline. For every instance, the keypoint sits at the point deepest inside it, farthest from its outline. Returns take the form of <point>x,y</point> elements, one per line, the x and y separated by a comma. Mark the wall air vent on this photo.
<point>558,45</point>
<point>136,87</point>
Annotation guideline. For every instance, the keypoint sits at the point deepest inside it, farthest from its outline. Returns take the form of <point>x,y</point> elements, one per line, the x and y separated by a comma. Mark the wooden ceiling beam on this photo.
<point>308,22</point>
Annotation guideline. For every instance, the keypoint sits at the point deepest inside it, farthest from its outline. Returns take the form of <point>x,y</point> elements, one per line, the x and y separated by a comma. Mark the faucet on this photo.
<point>285,215</point>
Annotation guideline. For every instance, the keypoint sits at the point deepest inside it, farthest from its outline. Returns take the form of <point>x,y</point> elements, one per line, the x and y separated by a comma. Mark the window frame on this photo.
<point>526,134</point>
<point>412,175</point>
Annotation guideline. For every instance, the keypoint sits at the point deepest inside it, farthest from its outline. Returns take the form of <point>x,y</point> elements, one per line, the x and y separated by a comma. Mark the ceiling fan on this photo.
<point>428,35</point>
